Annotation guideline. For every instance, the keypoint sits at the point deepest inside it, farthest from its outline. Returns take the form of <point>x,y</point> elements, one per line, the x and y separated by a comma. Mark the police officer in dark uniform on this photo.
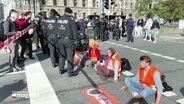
<point>103,35</point>
<point>67,33</point>
<point>38,21</point>
<point>130,27</point>
<point>96,28</point>
<point>50,28</point>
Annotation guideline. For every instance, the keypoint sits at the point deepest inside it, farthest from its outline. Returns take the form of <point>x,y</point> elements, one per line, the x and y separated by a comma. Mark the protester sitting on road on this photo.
<point>146,83</point>
<point>110,67</point>
<point>94,53</point>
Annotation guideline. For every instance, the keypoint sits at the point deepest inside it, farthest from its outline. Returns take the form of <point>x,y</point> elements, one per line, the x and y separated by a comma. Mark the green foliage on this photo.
<point>167,9</point>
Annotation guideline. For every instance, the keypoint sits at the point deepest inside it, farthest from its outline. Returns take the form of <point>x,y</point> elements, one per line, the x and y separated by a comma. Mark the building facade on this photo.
<point>82,8</point>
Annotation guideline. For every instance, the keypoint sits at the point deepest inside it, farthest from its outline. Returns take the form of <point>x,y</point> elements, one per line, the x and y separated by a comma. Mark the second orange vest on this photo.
<point>148,80</point>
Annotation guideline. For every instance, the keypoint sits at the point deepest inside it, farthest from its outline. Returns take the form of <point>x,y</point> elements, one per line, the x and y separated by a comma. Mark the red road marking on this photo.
<point>105,94</point>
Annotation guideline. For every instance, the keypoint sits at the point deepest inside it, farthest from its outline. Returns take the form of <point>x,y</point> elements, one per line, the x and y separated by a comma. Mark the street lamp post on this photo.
<point>34,7</point>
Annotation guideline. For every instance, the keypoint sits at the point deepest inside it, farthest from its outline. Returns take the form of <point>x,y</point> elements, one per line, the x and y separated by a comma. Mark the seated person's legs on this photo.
<point>147,92</point>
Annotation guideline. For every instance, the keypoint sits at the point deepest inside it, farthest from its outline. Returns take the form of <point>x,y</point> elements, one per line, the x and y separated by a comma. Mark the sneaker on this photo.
<point>54,64</point>
<point>72,74</point>
<point>31,58</point>
<point>154,41</point>
<point>144,39</point>
<point>149,40</point>
<point>62,71</point>
<point>136,95</point>
<point>124,88</point>
<point>17,68</point>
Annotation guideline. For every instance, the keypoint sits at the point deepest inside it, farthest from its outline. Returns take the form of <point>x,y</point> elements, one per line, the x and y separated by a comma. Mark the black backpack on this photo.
<point>165,84</point>
<point>2,36</point>
<point>125,64</point>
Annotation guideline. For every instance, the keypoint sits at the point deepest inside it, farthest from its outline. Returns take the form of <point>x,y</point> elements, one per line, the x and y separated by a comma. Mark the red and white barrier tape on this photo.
<point>13,38</point>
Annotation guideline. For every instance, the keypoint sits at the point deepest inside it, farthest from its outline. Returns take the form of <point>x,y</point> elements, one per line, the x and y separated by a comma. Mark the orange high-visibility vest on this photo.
<point>93,56</point>
<point>115,58</point>
<point>148,80</point>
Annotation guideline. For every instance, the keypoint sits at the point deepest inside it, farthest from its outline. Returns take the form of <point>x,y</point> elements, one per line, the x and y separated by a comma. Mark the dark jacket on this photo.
<point>130,23</point>
<point>67,27</point>
<point>155,25</point>
<point>50,27</point>
<point>10,27</point>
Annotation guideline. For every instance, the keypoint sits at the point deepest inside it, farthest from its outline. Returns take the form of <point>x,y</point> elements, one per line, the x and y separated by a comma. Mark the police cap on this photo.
<point>68,10</point>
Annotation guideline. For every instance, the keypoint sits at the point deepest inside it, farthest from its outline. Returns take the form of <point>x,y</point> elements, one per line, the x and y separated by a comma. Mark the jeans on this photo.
<point>155,33</point>
<point>148,34</point>
<point>135,87</point>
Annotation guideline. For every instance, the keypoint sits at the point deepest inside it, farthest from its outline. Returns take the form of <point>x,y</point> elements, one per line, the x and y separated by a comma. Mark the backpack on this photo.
<point>125,64</point>
<point>165,84</point>
<point>2,36</point>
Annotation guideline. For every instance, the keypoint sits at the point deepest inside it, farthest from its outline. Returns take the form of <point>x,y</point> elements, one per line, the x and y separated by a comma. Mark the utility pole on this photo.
<point>34,7</point>
<point>109,7</point>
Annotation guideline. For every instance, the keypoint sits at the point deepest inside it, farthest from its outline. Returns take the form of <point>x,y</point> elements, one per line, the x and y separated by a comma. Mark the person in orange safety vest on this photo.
<point>111,66</point>
<point>147,82</point>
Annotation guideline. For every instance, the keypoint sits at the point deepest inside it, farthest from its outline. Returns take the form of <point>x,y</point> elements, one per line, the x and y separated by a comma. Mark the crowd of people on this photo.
<point>61,36</point>
<point>120,26</point>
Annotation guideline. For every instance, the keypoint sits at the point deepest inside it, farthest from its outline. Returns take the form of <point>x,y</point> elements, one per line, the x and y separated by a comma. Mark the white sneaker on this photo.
<point>144,39</point>
<point>149,40</point>
<point>154,41</point>
<point>134,94</point>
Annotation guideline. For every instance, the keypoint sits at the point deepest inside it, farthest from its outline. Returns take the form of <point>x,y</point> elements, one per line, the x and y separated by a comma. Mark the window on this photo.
<point>43,2</point>
<point>131,5</point>
<point>75,15</point>
<point>83,3</point>
<point>65,2</point>
<point>94,5</point>
<point>126,5</point>
<point>55,2</point>
<point>74,3</point>
<point>84,15</point>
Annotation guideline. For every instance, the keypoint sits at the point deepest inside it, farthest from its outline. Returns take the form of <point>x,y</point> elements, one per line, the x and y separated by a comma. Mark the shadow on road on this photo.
<point>139,101</point>
<point>7,90</point>
<point>3,69</point>
<point>182,91</point>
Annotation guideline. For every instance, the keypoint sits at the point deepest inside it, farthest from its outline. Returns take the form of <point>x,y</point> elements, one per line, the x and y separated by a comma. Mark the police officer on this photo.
<point>96,28</point>
<point>103,35</point>
<point>130,27</point>
<point>67,33</point>
<point>51,35</point>
<point>38,21</point>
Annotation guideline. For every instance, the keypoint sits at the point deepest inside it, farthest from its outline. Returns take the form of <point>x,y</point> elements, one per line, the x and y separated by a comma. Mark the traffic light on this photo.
<point>106,4</point>
<point>112,2</point>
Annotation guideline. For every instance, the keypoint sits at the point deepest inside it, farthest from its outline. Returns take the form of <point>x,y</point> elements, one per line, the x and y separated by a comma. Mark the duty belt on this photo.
<point>65,38</point>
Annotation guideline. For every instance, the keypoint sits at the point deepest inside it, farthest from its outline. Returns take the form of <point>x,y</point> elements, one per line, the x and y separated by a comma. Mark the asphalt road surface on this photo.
<point>39,83</point>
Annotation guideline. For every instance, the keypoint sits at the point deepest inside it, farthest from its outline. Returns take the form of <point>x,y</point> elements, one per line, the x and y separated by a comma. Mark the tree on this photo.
<point>170,9</point>
<point>143,6</point>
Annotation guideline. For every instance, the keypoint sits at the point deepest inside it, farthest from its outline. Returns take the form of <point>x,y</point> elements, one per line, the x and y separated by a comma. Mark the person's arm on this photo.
<point>74,30</point>
<point>159,87</point>
<point>116,69</point>
<point>6,27</point>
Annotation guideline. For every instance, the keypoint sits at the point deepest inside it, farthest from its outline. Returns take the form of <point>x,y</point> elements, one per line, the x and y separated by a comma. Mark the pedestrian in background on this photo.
<point>130,27</point>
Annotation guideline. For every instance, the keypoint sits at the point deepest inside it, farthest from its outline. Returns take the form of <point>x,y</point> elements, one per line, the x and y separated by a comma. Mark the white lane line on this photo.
<point>39,87</point>
<point>169,94</point>
<point>144,51</point>
<point>182,61</point>
<point>127,73</point>
<point>134,49</point>
<point>180,101</point>
<point>168,57</point>
<point>156,54</point>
